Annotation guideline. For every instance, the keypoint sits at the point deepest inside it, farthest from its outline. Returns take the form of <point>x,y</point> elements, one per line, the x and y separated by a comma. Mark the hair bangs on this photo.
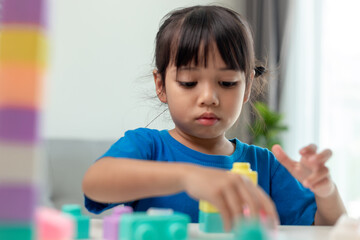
<point>201,31</point>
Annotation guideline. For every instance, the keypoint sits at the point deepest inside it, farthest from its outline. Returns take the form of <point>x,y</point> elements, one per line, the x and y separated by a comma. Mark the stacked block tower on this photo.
<point>22,65</point>
<point>209,217</point>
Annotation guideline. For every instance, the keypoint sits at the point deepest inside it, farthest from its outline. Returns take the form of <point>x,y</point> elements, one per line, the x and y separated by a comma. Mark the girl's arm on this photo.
<point>121,180</point>
<point>329,208</point>
<point>114,180</point>
<point>313,174</point>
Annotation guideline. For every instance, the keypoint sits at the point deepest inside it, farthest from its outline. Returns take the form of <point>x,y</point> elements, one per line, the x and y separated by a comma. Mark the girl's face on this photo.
<point>204,102</point>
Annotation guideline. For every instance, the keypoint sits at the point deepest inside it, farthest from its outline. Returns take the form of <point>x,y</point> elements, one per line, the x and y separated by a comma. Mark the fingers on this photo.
<point>244,194</point>
<point>321,158</point>
<point>308,150</point>
<point>283,157</point>
<point>268,207</point>
<point>316,177</point>
<point>224,211</point>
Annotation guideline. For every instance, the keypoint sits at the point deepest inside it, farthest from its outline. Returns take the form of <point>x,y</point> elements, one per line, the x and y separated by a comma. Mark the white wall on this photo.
<point>100,51</point>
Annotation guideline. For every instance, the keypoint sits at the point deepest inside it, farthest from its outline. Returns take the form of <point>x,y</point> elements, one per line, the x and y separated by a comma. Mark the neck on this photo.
<point>213,146</point>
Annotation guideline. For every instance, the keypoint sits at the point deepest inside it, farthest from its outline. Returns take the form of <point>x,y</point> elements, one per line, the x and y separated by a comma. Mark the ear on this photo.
<point>160,89</point>
<point>248,87</point>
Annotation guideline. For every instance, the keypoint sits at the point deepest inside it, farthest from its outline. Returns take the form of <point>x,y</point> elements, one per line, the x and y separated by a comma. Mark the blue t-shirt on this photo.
<point>295,204</point>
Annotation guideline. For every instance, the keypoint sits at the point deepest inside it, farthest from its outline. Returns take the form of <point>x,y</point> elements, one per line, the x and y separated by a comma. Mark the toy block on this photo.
<point>244,169</point>
<point>82,222</point>
<point>111,223</point>
<point>210,222</point>
<point>250,229</point>
<point>159,211</point>
<point>120,210</point>
<point>51,224</point>
<point>207,207</point>
<point>19,125</point>
<point>23,12</point>
<point>17,202</point>
<point>21,163</point>
<point>20,85</point>
<point>22,46</point>
<point>140,226</point>
<point>209,217</point>
<point>17,231</point>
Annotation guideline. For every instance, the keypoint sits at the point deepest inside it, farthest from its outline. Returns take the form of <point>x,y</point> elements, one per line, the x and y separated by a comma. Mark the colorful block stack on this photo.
<point>22,64</point>
<point>209,217</point>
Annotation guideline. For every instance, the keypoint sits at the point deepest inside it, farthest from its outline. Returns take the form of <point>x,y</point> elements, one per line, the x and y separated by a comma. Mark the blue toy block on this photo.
<point>210,222</point>
<point>17,231</point>
<point>82,222</point>
<point>140,226</point>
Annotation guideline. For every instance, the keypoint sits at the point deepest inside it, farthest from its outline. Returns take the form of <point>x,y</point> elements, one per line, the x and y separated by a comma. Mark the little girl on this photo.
<point>205,67</point>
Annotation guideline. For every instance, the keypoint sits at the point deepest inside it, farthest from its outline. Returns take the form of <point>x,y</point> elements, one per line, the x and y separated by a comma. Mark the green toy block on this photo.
<point>82,221</point>
<point>16,231</point>
<point>72,209</point>
<point>140,226</point>
<point>210,222</point>
<point>250,229</point>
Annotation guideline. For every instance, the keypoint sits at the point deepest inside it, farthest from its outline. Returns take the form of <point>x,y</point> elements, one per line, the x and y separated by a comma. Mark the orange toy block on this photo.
<point>20,85</point>
<point>23,45</point>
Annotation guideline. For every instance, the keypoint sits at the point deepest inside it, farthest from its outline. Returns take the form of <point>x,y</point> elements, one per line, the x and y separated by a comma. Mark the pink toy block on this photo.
<point>20,163</point>
<point>111,223</point>
<point>17,202</point>
<point>29,12</point>
<point>51,224</point>
<point>19,124</point>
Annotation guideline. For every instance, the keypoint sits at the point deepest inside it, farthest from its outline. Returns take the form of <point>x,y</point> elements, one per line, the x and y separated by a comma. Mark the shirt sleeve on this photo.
<point>295,204</point>
<point>136,144</point>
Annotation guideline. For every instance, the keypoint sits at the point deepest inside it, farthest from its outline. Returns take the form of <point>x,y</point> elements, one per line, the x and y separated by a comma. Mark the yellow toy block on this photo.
<point>207,207</point>
<point>23,45</point>
<point>242,168</point>
<point>20,85</point>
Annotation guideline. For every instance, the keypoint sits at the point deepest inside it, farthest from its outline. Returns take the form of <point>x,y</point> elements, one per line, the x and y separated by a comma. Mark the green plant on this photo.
<point>267,126</point>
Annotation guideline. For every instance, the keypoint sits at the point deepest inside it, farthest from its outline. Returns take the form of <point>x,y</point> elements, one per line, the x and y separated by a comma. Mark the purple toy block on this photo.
<point>118,211</point>
<point>111,223</point>
<point>17,202</point>
<point>30,12</point>
<point>19,125</point>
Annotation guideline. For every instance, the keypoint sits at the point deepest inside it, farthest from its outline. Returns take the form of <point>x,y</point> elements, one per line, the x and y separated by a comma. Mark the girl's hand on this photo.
<point>310,170</point>
<point>230,193</point>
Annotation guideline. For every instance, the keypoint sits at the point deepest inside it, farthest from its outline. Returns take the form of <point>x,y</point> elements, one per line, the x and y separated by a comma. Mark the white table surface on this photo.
<point>282,233</point>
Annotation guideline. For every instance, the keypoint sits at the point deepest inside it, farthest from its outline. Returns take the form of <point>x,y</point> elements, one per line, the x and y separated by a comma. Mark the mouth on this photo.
<point>208,119</point>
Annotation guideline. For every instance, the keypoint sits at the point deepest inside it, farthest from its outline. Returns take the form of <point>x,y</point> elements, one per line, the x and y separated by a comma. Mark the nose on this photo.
<point>208,96</point>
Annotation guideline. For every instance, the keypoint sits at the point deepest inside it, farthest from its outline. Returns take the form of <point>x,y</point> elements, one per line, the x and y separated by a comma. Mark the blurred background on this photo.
<point>99,81</point>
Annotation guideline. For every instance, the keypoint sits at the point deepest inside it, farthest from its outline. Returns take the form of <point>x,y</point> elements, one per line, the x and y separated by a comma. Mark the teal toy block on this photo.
<point>250,229</point>
<point>140,226</point>
<point>82,221</point>
<point>210,222</point>
<point>17,231</point>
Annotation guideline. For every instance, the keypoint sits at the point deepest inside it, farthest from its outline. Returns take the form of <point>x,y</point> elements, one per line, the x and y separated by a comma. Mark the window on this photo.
<point>321,98</point>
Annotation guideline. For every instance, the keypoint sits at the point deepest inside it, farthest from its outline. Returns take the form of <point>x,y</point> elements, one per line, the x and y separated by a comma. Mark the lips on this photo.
<point>207,119</point>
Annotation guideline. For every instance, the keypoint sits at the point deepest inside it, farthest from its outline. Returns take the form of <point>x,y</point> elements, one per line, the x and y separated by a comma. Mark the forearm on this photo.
<point>329,209</point>
<point>119,180</point>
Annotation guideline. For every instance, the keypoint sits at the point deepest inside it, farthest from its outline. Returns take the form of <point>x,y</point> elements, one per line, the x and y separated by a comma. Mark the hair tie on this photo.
<point>259,70</point>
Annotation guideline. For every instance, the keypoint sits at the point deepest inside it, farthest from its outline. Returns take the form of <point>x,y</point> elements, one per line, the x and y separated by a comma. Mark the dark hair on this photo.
<point>186,31</point>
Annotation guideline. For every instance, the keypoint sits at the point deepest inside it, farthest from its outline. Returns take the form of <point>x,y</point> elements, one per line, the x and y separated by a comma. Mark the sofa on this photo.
<point>64,166</point>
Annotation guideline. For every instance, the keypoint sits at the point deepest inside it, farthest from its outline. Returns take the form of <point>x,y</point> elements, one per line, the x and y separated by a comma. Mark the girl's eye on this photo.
<point>187,84</point>
<point>228,84</point>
